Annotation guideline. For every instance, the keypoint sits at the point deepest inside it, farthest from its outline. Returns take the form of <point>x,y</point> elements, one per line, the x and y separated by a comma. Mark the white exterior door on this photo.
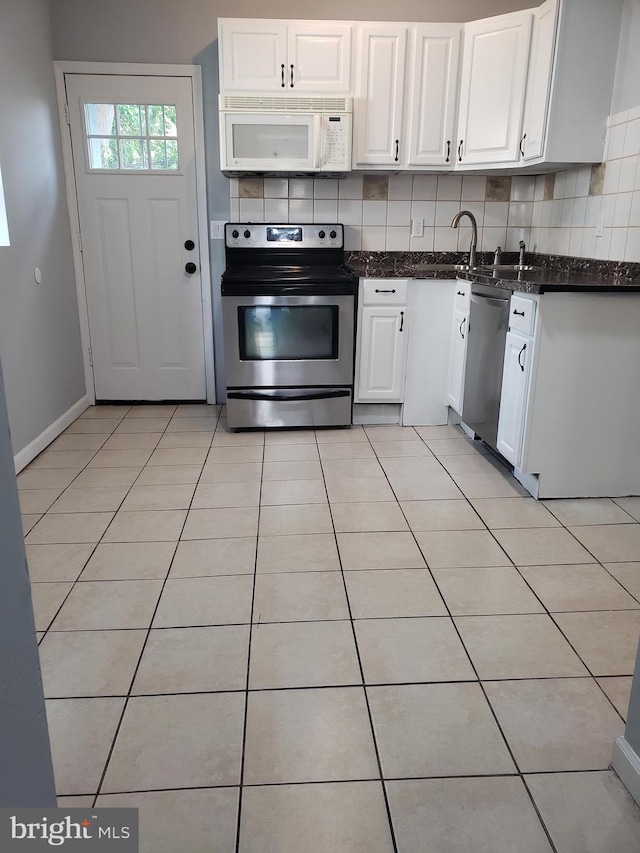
<point>134,164</point>
<point>494,72</point>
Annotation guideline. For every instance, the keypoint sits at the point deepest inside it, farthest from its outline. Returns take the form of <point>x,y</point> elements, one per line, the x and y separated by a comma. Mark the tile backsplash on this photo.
<point>556,213</point>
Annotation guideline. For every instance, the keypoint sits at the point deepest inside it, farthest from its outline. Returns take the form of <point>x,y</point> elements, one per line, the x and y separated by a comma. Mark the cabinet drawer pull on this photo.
<point>518,313</point>
<point>401,320</point>
<point>460,293</point>
<point>397,157</point>
<point>384,291</point>
<point>464,320</point>
<point>448,151</point>
<point>460,151</point>
<point>519,354</point>
<point>282,75</point>
<point>292,76</point>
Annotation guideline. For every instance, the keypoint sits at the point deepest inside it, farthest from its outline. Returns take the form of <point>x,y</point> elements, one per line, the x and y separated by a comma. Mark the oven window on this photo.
<point>283,332</point>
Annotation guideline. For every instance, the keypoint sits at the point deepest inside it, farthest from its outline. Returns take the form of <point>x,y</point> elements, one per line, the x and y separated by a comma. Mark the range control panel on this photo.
<point>248,235</point>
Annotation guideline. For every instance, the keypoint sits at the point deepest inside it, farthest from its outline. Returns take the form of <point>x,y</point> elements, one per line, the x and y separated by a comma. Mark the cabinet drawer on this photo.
<point>384,291</point>
<point>463,295</point>
<point>522,315</point>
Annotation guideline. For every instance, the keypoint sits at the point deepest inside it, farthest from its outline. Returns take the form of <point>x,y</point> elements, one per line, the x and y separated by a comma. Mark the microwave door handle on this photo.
<point>317,134</point>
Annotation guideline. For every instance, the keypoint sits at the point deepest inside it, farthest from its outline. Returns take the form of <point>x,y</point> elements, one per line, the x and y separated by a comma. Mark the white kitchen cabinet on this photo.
<point>458,344</point>
<point>492,88</point>
<point>278,56</point>
<point>381,348</point>
<point>539,80</point>
<point>515,383</point>
<point>379,99</point>
<point>432,97</point>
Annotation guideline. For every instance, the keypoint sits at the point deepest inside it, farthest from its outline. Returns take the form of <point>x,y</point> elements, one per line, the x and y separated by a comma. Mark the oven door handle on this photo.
<point>285,395</point>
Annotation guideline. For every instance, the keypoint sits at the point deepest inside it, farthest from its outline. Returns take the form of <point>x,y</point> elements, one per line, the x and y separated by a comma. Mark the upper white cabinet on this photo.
<point>432,97</point>
<point>272,55</point>
<point>539,80</point>
<point>492,89</point>
<point>407,94</point>
<point>379,99</point>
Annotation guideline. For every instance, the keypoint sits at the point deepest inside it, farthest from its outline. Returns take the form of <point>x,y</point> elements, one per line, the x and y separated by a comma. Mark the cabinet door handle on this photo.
<point>397,157</point>
<point>518,313</point>
<point>522,145</point>
<point>384,291</point>
<point>464,320</point>
<point>448,151</point>
<point>519,354</point>
<point>460,151</point>
<point>282,75</point>
<point>292,76</point>
<point>460,293</point>
<point>401,320</point>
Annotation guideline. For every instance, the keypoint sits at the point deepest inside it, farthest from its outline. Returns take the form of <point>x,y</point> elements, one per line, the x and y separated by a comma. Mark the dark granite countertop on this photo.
<point>554,274</point>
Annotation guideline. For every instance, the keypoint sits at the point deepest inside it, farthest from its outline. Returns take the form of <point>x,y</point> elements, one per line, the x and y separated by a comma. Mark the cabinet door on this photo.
<point>539,80</point>
<point>494,72</point>
<point>379,103</point>
<point>253,55</point>
<point>383,355</point>
<point>433,102</point>
<point>515,382</point>
<point>457,357</point>
<point>321,57</point>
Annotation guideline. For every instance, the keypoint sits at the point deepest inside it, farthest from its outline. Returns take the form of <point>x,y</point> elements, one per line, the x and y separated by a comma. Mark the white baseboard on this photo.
<point>24,456</point>
<point>626,763</point>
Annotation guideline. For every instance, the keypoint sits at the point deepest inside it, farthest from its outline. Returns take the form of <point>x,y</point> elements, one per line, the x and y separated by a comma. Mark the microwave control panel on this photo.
<point>336,142</point>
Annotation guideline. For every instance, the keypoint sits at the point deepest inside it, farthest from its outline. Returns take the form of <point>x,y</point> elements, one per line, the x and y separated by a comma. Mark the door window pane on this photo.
<point>132,137</point>
<point>270,332</point>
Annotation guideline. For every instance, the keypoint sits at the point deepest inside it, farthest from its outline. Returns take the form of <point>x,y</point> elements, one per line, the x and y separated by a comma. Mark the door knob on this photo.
<point>190,267</point>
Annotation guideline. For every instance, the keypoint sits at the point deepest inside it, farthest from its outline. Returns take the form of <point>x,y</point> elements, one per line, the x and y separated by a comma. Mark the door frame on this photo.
<point>194,72</point>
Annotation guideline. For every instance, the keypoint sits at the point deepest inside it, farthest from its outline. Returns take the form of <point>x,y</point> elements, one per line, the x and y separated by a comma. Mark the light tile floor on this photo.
<point>347,640</point>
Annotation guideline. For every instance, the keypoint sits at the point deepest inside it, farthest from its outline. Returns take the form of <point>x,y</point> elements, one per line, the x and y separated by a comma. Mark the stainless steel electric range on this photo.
<point>289,309</point>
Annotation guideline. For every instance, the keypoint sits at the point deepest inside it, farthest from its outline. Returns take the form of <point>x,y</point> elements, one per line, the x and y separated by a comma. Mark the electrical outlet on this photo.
<point>600,226</point>
<point>216,229</point>
<point>417,227</point>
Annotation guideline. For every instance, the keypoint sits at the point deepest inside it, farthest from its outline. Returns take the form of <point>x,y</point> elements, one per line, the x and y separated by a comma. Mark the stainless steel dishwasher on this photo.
<point>487,331</point>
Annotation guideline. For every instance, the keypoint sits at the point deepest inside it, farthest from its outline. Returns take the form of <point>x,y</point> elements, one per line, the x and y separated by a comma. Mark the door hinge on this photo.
<point>66,113</point>
<point>90,356</point>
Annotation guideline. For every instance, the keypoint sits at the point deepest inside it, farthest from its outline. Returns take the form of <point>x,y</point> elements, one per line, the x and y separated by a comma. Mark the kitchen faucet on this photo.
<point>474,233</point>
<point>522,249</point>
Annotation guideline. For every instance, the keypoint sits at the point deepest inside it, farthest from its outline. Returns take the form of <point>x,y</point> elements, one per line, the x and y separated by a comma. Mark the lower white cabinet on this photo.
<point>515,382</point>
<point>381,360</point>
<point>458,345</point>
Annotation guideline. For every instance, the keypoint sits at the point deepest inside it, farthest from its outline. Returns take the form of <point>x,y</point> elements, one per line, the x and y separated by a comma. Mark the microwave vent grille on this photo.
<point>271,103</point>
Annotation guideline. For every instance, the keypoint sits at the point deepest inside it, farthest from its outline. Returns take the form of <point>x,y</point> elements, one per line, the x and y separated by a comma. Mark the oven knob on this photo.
<point>247,234</point>
<point>333,235</point>
<point>321,235</point>
<point>235,234</point>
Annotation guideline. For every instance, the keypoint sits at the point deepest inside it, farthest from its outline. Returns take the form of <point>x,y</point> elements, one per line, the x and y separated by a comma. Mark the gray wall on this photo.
<point>168,31</point>
<point>626,92</point>
<point>26,775</point>
<point>39,328</point>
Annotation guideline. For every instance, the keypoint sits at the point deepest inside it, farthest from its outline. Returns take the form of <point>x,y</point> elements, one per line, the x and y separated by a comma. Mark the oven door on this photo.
<point>288,341</point>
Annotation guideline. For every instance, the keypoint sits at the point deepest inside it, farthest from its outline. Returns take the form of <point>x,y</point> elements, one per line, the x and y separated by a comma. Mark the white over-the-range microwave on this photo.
<point>264,134</point>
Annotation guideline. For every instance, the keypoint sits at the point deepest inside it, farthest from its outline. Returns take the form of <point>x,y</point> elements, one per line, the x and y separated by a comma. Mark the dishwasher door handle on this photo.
<point>494,301</point>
